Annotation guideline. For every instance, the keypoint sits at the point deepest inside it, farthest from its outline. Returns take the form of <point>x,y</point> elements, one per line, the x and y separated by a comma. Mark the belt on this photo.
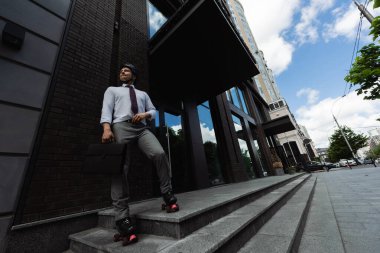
<point>130,121</point>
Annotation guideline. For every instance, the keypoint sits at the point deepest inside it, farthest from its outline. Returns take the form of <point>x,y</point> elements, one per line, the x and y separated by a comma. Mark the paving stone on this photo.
<point>358,244</point>
<point>355,197</point>
<point>267,243</point>
<point>320,244</point>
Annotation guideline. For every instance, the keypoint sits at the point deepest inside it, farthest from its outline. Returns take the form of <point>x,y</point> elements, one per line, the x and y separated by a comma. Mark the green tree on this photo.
<point>374,152</point>
<point>365,71</point>
<point>338,148</point>
<point>214,169</point>
<point>376,4</point>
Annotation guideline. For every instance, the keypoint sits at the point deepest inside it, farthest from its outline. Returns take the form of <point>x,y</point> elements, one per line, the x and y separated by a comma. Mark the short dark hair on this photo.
<point>131,67</point>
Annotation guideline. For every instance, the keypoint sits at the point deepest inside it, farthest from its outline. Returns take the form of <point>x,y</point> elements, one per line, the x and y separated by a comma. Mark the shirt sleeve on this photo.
<point>108,106</point>
<point>149,107</point>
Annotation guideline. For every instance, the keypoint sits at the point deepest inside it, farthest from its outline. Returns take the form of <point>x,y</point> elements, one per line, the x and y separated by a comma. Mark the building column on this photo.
<point>196,149</point>
<point>233,165</point>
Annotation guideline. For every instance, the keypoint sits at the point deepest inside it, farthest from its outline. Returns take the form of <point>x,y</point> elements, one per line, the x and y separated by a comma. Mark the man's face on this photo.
<point>125,75</point>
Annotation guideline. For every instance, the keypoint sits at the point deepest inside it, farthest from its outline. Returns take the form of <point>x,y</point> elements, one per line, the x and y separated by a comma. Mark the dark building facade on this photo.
<point>211,120</point>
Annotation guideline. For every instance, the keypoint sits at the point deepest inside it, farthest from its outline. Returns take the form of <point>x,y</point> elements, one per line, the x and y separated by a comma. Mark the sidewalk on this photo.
<point>355,199</point>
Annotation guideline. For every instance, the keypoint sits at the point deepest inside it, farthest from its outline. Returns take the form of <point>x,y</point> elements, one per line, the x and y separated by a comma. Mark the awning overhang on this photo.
<point>198,54</point>
<point>278,126</point>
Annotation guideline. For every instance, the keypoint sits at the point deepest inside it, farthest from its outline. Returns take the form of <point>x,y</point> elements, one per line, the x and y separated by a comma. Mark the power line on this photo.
<point>354,52</point>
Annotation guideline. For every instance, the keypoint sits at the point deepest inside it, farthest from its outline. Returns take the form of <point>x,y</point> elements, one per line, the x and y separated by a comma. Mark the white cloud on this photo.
<point>311,94</point>
<point>306,29</point>
<point>156,19</point>
<point>176,128</point>
<point>346,23</point>
<point>268,21</point>
<point>207,133</point>
<point>351,111</point>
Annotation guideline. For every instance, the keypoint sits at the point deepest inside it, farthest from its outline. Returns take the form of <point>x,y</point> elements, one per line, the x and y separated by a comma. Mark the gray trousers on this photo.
<point>139,134</point>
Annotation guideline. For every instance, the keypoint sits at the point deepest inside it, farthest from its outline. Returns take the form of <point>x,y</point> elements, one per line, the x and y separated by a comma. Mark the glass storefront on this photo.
<point>242,139</point>
<point>210,145</point>
<point>175,146</point>
<point>260,157</point>
<point>237,98</point>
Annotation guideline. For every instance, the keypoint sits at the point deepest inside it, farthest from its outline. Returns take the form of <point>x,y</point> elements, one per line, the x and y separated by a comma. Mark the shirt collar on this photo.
<point>125,85</point>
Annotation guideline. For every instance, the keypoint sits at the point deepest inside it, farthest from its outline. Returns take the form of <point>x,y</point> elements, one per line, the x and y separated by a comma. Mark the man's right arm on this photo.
<point>107,133</point>
<point>106,118</point>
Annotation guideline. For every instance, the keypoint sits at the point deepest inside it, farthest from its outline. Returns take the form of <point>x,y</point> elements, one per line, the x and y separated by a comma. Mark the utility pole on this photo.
<point>364,11</point>
<point>344,136</point>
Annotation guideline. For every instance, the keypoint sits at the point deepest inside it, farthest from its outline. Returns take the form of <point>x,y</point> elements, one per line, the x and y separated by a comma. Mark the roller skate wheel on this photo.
<point>172,208</point>
<point>129,239</point>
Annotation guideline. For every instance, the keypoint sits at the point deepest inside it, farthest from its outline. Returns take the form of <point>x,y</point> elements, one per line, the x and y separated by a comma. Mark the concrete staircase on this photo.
<point>263,215</point>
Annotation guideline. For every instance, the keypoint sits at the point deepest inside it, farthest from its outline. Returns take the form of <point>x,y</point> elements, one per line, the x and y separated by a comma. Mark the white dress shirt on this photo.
<point>117,105</point>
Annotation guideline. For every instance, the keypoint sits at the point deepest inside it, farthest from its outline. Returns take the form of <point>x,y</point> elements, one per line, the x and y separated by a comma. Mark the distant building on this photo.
<point>374,137</point>
<point>322,153</point>
<point>373,141</point>
<point>297,143</point>
<point>264,81</point>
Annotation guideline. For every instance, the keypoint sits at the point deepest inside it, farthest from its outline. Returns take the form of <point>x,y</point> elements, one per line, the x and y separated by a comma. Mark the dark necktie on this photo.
<point>132,95</point>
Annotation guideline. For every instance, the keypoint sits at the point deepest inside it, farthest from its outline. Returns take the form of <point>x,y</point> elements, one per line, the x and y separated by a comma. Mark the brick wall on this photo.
<point>57,186</point>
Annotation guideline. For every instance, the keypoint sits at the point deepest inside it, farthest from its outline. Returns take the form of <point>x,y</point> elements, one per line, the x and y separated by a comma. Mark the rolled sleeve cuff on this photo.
<point>152,114</point>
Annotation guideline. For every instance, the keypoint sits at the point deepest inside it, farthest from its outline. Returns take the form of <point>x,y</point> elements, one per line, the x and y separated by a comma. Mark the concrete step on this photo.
<point>227,234</point>
<point>282,233</point>
<point>321,233</point>
<point>197,208</point>
<point>99,240</point>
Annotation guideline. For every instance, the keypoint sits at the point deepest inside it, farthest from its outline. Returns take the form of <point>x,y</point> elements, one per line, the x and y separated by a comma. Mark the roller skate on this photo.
<point>170,204</point>
<point>126,231</point>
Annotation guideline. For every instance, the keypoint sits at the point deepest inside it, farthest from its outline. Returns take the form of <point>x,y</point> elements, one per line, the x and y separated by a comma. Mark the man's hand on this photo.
<point>140,116</point>
<point>107,136</point>
<point>107,133</point>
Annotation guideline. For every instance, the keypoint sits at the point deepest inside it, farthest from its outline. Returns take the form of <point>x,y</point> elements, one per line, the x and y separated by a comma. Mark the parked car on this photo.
<point>352,162</point>
<point>313,166</point>
<point>343,162</point>
<point>367,161</point>
<point>329,166</point>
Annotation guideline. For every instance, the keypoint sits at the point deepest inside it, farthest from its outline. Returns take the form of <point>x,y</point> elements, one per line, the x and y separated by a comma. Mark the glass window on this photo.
<point>242,100</point>
<point>176,150</point>
<point>157,119</point>
<point>243,146</point>
<point>234,96</point>
<point>210,145</point>
<point>156,19</point>
<point>228,95</point>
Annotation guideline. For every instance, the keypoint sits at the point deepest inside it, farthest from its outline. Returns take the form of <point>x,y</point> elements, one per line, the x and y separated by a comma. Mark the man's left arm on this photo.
<point>150,110</point>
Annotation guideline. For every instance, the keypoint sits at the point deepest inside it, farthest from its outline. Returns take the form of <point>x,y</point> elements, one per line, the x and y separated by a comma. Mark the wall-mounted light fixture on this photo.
<point>13,35</point>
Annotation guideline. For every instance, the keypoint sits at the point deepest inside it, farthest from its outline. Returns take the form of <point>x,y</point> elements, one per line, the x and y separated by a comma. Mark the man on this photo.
<point>124,115</point>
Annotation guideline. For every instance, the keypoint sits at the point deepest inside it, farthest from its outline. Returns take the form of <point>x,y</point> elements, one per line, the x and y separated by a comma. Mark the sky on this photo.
<point>309,45</point>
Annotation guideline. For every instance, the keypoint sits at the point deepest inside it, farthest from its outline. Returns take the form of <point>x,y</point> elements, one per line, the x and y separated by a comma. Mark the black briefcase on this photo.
<point>104,158</point>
